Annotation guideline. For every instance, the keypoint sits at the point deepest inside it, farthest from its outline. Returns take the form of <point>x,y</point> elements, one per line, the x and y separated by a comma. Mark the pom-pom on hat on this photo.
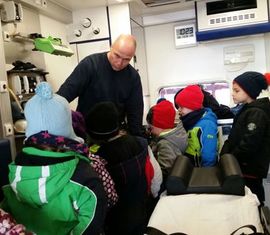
<point>252,83</point>
<point>267,77</point>
<point>163,115</point>
<point>47,111</point>
<point>102,121</point>
<point>190,97</point>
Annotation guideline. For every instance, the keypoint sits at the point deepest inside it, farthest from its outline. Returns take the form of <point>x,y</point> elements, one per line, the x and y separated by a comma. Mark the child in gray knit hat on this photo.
<point>249,140</point>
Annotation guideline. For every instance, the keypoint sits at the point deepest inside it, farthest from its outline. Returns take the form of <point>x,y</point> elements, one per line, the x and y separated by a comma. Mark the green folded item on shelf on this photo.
<point>52,46</point>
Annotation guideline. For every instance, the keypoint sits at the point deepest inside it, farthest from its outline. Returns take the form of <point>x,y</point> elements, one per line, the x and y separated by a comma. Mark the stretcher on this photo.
<point>206,214</point>
<point>195,204</point>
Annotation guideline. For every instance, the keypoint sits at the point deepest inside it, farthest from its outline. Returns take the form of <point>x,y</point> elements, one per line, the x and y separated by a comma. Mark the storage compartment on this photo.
<point>222,19</point>
<point>223,14</point>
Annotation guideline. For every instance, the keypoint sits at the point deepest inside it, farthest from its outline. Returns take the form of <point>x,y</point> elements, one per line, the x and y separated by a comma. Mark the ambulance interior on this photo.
<point>179,42</point>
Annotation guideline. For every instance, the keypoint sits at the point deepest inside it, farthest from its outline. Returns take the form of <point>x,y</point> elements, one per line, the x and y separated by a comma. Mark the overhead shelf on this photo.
<point>18,37</point>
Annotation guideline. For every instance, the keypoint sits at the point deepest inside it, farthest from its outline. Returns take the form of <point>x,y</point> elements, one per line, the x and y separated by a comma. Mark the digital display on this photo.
<point>185,35</point>
<point>185,31</point>
<point>229,6</point>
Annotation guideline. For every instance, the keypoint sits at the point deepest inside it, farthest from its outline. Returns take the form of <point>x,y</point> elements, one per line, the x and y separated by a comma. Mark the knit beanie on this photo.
<point>163,115</point>
<point>190,97</point>
<point>102,121</point>
<point>252,83</point>
<point>47,111</point>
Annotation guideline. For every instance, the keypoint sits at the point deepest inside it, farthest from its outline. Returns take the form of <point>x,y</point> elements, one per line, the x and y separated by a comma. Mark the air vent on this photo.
<point>155,3</point>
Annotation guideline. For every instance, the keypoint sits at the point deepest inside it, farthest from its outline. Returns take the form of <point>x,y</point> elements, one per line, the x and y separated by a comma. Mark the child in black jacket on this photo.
<point>249,140</point>
<point>126,157</point>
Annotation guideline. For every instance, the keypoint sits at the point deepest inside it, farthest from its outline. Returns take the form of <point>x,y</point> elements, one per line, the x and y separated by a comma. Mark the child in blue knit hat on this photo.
<point>49,112</point>
<point>250,134</point>
<point>53,189</point>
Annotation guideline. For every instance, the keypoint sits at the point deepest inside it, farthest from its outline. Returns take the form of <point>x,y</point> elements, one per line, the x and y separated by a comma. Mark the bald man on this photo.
<point>108,76</point>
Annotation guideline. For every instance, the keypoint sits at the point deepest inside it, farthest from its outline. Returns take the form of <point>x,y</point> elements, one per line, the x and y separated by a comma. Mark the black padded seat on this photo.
<point>224,178</point>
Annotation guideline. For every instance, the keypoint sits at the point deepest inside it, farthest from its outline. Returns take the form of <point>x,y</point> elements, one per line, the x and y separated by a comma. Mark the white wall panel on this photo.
<point>59,67</point>
<point>168,65</point>
<point>98,16</point>
<point>85,49</point>
<point>119,20</point>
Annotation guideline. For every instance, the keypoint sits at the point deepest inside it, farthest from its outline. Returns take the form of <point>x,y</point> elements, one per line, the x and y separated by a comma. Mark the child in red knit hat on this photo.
<point>249,139</point>
<point>201,125</point>
<point>171,141</point>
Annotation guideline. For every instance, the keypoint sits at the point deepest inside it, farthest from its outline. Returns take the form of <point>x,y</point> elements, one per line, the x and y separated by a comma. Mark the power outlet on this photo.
<point>3,86</point>
<point>8,129</point>
<point>6,36</point>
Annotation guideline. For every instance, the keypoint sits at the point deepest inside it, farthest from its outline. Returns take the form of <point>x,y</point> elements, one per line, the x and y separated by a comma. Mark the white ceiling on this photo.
<point>137,5</point>
<point>81,4</point>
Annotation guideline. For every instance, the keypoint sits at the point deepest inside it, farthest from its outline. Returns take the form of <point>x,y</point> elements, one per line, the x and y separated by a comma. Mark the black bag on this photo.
<point>251,227</point>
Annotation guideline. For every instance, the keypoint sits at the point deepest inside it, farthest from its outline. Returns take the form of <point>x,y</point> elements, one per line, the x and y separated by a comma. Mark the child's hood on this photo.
<point>130,171</point>
<point>210,115</point>
<point>38,185</point>
<point>177,136</point>
<point>263,103</point>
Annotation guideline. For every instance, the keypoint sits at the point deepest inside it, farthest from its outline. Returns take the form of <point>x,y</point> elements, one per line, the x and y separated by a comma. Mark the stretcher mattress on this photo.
<point>206,214</point>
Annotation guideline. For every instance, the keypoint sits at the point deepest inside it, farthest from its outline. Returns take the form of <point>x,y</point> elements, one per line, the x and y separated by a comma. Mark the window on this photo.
<point>220,90</point>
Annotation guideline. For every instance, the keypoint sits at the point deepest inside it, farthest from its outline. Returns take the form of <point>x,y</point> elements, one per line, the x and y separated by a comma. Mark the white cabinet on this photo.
<point>85,49</point>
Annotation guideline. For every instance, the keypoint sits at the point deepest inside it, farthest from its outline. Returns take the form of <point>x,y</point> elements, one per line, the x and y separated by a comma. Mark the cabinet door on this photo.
<point>85,49</point>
